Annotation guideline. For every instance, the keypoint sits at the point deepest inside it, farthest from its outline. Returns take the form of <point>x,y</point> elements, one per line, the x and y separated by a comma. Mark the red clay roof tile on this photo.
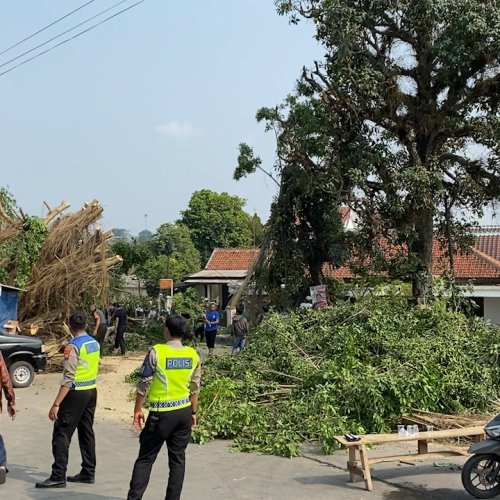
<point>232,259</point>
<point>481,262</point>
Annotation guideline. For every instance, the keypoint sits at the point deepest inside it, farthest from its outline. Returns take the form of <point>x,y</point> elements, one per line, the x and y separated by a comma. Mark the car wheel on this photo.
<point>22,374</point>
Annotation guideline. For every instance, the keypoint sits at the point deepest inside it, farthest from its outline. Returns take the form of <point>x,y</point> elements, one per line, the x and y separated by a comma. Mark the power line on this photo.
<point>46,27</point>
<point>69,39</point>
<point>63,33</point>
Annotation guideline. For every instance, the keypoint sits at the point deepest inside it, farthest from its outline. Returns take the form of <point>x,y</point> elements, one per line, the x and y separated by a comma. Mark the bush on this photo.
<point>188,303</point>
<point>144,335</point>
<point>349,368</point>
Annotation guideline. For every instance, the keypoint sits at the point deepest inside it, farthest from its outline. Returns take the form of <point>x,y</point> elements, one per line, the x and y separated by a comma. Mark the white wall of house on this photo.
<point>212,292</point>
<point>492,309</point>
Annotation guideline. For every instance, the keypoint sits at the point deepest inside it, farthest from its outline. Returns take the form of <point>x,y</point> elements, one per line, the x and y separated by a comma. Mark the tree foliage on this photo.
<point>217,220</point>
<point>305,227</point>
<point>349,368</point>
<point>257,230</point>
<point>172,254</point>
<point>19,254</point>
<point>133,252</point>
<point>407,100</point>
<point>169,253</point>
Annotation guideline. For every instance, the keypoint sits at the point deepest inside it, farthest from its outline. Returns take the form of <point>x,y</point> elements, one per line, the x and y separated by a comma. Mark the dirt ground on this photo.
<point>115,396</point>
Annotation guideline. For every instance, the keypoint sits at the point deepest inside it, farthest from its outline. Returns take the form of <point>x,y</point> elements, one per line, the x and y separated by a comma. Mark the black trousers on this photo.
<point>120,340</point>
<point>174,429</point>
<point>210,337</point>
<point>76,412</point>
<point>101,333</point>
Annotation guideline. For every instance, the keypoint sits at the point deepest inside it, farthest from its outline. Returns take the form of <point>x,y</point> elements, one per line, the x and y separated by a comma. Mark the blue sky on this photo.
<point>147,108</point>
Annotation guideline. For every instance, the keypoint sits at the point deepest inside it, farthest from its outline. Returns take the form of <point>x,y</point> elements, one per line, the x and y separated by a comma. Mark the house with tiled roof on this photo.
<point>224,273</point>
<point>477,270</point>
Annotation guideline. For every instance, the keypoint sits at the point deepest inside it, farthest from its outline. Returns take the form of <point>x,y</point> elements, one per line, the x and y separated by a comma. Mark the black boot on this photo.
<point>79,478</point>
<point>50,483</point>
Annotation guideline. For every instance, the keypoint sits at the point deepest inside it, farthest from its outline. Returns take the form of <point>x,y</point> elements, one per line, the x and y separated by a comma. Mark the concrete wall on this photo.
<point>211,292</point>
<point>492,309</point>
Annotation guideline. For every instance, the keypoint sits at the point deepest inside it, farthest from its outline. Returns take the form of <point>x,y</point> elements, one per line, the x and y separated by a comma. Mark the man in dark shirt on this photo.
<point>120,322</point>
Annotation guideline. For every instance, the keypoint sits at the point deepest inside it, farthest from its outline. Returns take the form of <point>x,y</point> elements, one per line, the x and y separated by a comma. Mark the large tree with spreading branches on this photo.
<point>411,93</point>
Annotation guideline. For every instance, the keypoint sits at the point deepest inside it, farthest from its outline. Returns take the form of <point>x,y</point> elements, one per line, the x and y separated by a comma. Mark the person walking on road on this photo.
<point>100,326</point>
<point>240,329</point>
<point>170,381</point>
<point>211,319</point>
<point>120,321</point>
<point>74,406</point>
<point>6,387</point>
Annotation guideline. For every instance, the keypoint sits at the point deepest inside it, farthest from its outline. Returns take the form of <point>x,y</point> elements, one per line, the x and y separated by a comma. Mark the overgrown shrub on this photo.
<point>144,335</point>
<point>352,367</point>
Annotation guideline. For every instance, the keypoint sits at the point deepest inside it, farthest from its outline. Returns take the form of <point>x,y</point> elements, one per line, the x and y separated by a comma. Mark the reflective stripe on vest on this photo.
<point>88,363</point>
<point>174,369</point>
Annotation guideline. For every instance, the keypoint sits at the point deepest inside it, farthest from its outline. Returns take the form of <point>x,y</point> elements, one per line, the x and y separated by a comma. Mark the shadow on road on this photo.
<point>31,475</point>
<point>63,495</point>
<point>397,478</point>
<point>418,491</point>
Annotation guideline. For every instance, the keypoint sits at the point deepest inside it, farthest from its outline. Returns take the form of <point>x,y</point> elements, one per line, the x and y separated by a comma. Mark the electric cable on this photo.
<point>46,27</point>
<point>70,39</point>
<point>62,34</point>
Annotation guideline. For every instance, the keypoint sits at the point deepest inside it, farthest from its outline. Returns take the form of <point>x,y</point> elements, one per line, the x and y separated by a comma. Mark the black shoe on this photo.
<point>80,479</point>
<point>50,483</point>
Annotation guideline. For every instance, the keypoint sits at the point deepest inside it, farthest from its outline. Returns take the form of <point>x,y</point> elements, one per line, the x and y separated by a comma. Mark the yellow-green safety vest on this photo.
<point>174,369</point>
<point>88,362</point>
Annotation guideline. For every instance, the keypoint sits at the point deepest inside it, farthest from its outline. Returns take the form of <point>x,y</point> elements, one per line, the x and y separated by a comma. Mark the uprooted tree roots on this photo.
<point>72,269</point>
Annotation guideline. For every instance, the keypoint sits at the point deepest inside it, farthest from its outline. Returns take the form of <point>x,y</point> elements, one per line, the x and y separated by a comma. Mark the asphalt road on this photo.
<point>213,472</point>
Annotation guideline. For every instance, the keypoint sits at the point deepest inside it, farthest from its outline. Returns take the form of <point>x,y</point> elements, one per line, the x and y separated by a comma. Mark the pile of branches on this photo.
<point>442,421</point>
<point>72,270</point>
<point>359,368</point>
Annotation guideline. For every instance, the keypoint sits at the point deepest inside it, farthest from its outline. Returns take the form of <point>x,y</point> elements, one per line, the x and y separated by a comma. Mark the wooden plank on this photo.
<point>352,461</point>
<point>413,457</point>
<point>394,438</point>
<point>422,447</point>
<point>366,468</point>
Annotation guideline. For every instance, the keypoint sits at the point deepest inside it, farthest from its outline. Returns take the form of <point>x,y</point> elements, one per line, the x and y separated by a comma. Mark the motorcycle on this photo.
<point>481,473</point>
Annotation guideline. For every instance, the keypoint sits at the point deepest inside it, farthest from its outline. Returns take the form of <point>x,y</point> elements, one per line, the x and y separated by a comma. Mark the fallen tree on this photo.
<point>349,368</point>
<point>71,270</point>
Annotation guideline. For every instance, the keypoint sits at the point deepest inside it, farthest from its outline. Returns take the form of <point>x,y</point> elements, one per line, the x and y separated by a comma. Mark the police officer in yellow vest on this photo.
<point>74,406</point>
<point>170,377</point>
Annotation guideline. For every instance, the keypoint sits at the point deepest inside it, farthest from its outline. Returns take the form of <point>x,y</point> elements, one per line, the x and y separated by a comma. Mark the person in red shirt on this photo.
<point>7,389</point>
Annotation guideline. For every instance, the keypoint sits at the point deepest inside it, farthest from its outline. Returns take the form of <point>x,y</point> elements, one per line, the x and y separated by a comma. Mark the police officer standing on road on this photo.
<point>170,377</point>
<point>74,406</point>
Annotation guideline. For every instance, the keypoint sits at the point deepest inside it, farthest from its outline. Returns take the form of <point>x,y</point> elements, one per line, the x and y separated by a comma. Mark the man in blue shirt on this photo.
<point>211,319</point>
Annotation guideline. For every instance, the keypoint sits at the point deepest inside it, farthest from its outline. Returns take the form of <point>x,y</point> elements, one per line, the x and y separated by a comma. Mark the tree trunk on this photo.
<point>451,251</point>
<point>422,250</point>
<point>316,270</point>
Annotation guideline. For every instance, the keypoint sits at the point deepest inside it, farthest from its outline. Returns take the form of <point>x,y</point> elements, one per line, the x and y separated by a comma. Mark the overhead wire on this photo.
<point>71,38</point>
<point>46,27</point>
<point>63,33</point>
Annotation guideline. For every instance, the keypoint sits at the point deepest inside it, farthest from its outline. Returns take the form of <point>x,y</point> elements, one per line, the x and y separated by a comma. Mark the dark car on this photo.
<point>24,356</point>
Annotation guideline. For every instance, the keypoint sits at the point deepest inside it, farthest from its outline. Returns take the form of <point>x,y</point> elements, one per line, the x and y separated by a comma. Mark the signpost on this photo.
<point>319,297</point>
<point>166,284</point>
